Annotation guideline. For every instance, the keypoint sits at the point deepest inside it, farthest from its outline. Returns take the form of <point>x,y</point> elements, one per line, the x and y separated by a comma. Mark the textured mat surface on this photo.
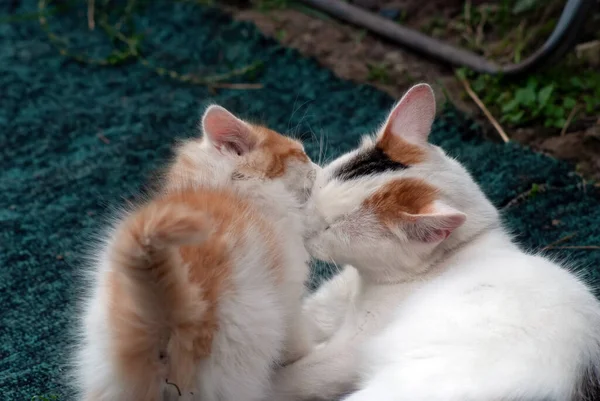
<point>76,139</point>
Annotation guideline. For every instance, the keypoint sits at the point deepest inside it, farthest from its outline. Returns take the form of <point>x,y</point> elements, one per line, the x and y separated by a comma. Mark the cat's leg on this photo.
<point>327,373</point>
<point>300,340</point>
<point>439,380</point>
<point>325,309</point>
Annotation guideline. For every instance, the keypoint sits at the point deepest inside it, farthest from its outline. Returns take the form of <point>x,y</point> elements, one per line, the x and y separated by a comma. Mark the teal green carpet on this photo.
<point>75,140</point>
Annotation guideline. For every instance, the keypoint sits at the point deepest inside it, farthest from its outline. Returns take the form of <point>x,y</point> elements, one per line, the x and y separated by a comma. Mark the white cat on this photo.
<point>442,306</point>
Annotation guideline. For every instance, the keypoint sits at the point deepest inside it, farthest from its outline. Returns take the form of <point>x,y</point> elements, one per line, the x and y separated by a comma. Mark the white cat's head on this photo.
<point>236,154</point>
<point>394,204</point>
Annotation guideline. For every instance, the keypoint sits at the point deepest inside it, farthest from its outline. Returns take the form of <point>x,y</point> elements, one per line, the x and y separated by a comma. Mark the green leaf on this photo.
<point>516,118</point>
<point>544,95</point>
<point>569,102</point>
<point>462,72</point>
<point>479,84</point>
<point>526,96</point>
<point>535,188</point>
<point>532,83</point>
<point>559,123</point>
<point>590,103</point>
<point>510,106</point>
<point>577,83</point>
<point>558,112</point>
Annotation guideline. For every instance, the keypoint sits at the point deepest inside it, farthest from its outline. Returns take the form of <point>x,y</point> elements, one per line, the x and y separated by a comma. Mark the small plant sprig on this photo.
<point>378,72</point>
<point>554,97</point>
<point>51,397</point>
<point>132,49</point>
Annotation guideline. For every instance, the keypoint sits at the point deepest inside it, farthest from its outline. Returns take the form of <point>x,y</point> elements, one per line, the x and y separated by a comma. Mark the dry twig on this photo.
<point>535,188</point>
<point>103,138</point>
<point>585,247</point>
<point>484,109</point>
<point>569,119</point>
<point>90,15</point>
<point>560,241</point>
<point>240,86</point>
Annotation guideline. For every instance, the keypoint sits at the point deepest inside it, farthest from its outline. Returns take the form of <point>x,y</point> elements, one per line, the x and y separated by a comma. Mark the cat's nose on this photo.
<point>311,176</point>
<point>313,221</point>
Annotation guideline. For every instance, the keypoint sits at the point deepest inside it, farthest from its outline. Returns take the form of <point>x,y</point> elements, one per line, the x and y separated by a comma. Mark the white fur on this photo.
<point>469,318</point>
<point>260,323</point>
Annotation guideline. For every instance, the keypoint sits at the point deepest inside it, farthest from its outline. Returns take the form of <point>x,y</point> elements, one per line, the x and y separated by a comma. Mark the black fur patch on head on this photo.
<point>369,162</point>
<point>589,386</point>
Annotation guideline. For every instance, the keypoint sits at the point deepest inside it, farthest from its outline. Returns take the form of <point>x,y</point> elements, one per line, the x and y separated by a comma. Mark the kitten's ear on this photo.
<point>226,131</point>
<point>413,115</point>
<point>436,224</point>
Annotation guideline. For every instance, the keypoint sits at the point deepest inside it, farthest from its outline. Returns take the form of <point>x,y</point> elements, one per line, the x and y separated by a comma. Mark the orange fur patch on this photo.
<point>268,159</point>
<point>165,302</point>
<point>272,154</point>
<point>400,150</point>
<point>398,198</point>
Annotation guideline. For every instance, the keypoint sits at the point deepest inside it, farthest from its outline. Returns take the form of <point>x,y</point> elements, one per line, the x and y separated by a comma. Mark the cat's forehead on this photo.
<point>383,176</point>
<point>386,154</point>
<point>400,197</point>
<point>274,154</point>
<point>274,141</point>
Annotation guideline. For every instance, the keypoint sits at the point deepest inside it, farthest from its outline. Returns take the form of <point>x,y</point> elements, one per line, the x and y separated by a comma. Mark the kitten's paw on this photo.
<point>300,343</point>
<point>285,382</point>
<point>295,353</point>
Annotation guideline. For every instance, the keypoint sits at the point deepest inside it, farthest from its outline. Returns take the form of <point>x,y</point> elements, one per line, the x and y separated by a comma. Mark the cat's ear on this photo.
<point>435,225</point>
<point>226,131</point>
<point>412,117</point>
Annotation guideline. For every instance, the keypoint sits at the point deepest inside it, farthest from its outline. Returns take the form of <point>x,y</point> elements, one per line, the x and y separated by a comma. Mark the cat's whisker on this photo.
<point>321,147</point>
<point>337,270</point>
<point>320,139</point>
<point>301,120</point>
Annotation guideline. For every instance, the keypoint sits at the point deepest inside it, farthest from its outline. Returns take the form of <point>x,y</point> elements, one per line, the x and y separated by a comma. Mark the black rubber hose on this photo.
<point>561,41</point>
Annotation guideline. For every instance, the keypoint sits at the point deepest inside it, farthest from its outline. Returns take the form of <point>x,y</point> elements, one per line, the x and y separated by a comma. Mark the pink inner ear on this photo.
<point>436,235</point>
<point>412,117</point>
<point>437,227</point>
<point>224,130</point>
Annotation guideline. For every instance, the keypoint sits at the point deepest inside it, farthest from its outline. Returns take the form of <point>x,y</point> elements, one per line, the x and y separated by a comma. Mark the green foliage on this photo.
<point>280,35</point>
<point>504,30</point>
<point>51,397</point>
<point>378,72</point>
<point>547,98</point>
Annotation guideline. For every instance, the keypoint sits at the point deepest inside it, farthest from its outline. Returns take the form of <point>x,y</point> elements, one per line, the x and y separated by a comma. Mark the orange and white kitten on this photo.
<point>196,294</point>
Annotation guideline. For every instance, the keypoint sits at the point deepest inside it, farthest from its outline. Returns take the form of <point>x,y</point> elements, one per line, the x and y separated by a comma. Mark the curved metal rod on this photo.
<point>562,39</point>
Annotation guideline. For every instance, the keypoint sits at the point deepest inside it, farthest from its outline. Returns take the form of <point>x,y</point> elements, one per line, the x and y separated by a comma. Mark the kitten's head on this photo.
<point>233,152</point>
<point>397,202</point>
